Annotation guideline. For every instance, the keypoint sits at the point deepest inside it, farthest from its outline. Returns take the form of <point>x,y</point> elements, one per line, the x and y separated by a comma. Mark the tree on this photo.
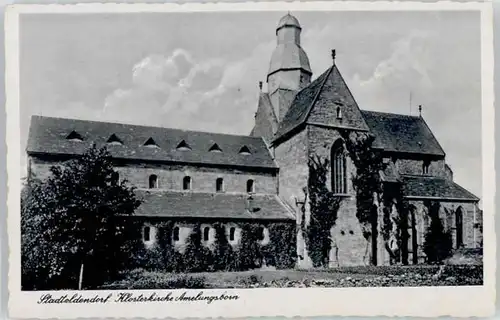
<point>73,223</point>
<point>438,243</point>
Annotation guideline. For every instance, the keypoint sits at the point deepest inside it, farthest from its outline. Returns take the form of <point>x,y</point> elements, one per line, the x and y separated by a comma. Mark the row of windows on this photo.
<point>150,142</point>
<point>148,234</point>
<point>187,183</point>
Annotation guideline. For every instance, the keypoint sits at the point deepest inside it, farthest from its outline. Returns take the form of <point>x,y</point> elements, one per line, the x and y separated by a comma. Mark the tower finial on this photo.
<point>260,85</point>
<point>420,110</point>
<point>333,55</point>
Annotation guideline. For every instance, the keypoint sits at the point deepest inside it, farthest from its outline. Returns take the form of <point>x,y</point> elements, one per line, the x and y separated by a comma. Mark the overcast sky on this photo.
<point>200,71</point>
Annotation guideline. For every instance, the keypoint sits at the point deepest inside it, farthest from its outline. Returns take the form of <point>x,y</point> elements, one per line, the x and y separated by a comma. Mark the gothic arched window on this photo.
<point>459,227</point>
<point>339,174</point>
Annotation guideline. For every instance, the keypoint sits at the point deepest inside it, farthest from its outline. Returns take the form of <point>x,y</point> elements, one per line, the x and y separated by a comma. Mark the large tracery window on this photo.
<point>339,174</point>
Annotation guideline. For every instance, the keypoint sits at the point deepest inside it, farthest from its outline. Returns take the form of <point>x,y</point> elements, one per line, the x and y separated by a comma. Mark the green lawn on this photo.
<point>339,277</point>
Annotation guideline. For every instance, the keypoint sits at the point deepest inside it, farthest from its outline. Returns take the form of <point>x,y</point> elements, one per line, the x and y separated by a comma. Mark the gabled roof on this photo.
<point>435,188</point>
<point>48,136</point>
<point>211,205</point>
<point>323,92</point>
<point>402,133</point>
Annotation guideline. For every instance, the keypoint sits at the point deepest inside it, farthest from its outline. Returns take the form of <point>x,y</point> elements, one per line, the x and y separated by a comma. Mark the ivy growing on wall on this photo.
<point>220,256</point>
<point>438,242</point>
<point>367,181</point>
<point>323,207</point>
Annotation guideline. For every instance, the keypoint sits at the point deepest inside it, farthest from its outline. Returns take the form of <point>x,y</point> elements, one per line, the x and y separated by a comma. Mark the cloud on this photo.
<point>180,91</point>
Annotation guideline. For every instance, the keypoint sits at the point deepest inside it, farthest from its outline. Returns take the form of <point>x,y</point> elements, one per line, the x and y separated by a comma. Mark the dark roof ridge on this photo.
<point>318,92</point>
<point>432,134</point>
<point>151,126</point>
<point>408,175</point>
<point>393,113</point>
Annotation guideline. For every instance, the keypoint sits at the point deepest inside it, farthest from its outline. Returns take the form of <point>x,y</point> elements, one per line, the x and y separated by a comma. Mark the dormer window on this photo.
<point>151,143</point>
<point>245,151</point>
<point>74,136</point>
<point>113,139</point>
<point>183,146</point>
<point>215,148</point>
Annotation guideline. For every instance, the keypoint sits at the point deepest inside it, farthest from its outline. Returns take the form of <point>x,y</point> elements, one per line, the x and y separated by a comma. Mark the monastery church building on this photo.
<point>188,176</point>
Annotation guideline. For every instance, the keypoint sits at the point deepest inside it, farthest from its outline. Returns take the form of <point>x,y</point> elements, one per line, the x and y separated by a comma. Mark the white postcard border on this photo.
<point>422,301</point>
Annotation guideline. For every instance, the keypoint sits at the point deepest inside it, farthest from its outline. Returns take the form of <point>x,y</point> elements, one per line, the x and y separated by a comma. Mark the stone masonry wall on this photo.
<point>292,157</point>
<point>470,232</point>
<point>350,247</point>
<point>414,167</point>
<point>170,177</point>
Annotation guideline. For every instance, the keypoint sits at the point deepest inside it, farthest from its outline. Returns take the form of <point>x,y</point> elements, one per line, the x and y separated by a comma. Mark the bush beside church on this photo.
<point>193,253</point>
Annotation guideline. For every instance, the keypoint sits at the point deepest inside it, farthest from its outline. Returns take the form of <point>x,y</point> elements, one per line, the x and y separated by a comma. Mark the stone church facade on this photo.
<point>212,178</point>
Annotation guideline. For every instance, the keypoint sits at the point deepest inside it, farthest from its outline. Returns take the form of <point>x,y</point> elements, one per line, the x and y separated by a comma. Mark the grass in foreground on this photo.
<point>383,276</point>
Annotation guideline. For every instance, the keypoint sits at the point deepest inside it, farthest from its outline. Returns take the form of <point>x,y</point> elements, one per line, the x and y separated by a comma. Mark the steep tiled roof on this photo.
<point>211,205</point>
<point>324,93</point>
<point>49,136</point>
<point>402,133</point>
<point>301,106</point>
<point>434,187</point>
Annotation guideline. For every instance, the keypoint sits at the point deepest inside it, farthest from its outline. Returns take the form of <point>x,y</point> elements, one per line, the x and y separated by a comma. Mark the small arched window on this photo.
<point>206,233</point>
<point>146,234</point>
<point>186,183</point>
<point>115,178</point>
<point>153,181</point>
<point>339,113</point>
<point>260,234</point>
<point>219,185</point>
<point>425,167</point>
<point>175,235</point>
<point>232,231</point>
<point>339,174</point>
<point>250,186</point>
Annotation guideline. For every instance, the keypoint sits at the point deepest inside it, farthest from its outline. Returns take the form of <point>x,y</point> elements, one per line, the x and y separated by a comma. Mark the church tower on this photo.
<point>289,70</point>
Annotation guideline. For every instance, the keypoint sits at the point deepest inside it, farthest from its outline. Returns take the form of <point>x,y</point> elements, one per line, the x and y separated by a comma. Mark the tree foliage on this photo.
<point>323,207</point>
<point>74,217</point>
<point>438,242</point>
<point>367,181</point>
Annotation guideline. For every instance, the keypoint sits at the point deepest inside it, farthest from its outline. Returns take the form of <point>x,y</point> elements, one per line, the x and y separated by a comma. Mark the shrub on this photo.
<point>438,243</point>
<point>223,254</point>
